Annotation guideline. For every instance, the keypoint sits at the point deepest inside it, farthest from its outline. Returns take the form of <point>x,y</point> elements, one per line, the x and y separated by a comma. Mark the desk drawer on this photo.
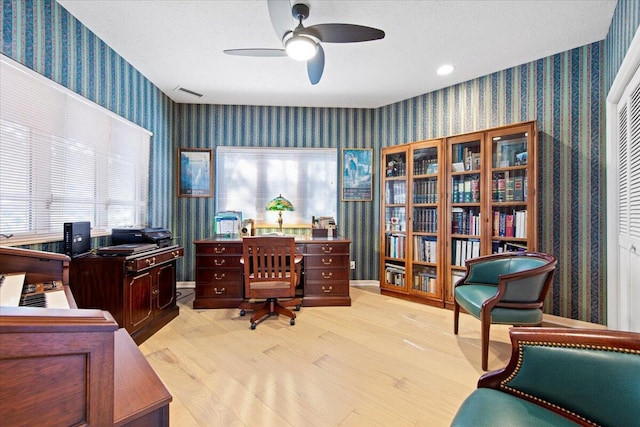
<point>326,261</point>
<point>218,275</point>
<point>327,248</point>
<point>218,261</point>
<point>219,248</point>
<point>326,274</point>
<point>143,262</point>
<point>222,290</point>
<point>326,289</point>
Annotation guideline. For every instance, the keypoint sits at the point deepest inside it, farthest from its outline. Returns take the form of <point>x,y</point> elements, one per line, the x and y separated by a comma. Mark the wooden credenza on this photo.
<point>138,290</point>
<point>325,268</point>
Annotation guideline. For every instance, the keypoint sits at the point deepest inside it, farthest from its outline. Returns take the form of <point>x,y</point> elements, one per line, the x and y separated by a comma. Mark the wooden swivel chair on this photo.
<point>271,272</point>
<point>507,288</point>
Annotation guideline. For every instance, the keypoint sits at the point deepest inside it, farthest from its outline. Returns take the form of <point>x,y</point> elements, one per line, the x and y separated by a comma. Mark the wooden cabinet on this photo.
<point>447,200</point>
<point>326,273</point>
<point>218,273</point>
<point>138,290</point>
<point>411,216</point>
<point>219,283</point>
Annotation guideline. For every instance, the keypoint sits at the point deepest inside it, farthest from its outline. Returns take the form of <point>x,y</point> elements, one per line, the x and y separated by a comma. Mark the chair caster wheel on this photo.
<point>253,325</point>
<point>297,307</point>
<point>242,313</point>
<point>292,322</point>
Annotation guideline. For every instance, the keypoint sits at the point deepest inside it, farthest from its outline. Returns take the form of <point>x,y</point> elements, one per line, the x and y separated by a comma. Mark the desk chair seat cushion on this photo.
<point>471,298</point>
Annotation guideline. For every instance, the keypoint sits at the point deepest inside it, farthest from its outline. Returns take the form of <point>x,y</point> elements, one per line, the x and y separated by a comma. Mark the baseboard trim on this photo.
<point>360,283</point>
<point>185,285</point>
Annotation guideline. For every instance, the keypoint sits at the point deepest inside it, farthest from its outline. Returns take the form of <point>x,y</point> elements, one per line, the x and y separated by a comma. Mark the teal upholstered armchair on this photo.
<point>560,377</point>
<point>507,288</point>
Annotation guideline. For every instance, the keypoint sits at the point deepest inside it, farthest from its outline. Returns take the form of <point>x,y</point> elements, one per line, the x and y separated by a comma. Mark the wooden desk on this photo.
<point>325,275</point>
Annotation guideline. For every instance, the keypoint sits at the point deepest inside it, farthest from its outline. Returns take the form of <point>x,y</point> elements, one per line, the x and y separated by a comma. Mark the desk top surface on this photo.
<point>299,239</point>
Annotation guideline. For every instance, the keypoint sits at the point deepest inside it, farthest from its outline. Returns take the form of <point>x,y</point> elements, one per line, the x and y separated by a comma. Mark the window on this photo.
<point>247,178</point>
<point>64,159</point>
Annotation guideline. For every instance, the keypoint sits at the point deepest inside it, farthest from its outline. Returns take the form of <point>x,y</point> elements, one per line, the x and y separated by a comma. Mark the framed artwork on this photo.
<point>357,170</point>
<point>195,172</point>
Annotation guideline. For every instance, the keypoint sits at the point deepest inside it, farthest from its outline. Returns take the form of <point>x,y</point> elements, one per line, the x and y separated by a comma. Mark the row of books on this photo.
<point>466,189</point>
<point>425,248</point>
<point>425,220</point>
<point>395,245</point>
<point>425,166</point>
<point>425,191</point>
<point>396,168</point>
<point>510,224</point>
<point>464,249</point>
<point>396,192</point>
<point>508,188</point>
<point>498,247</point>
<point>465,221</point>
<point>425,281</point>
<point>394,274</point>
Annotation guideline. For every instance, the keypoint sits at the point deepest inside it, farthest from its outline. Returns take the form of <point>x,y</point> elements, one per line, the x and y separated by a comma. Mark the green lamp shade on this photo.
<point>279,204</point>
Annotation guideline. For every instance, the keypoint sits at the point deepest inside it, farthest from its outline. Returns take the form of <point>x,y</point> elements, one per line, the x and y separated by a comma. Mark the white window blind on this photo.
<point>247,178</point>
<point>64,159</point>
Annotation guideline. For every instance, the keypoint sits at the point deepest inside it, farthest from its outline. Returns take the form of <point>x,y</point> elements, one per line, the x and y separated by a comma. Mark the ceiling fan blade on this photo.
<point>343,33</point>
<point>280,14</point>
<point>315,66</point>
<point>256,52</point>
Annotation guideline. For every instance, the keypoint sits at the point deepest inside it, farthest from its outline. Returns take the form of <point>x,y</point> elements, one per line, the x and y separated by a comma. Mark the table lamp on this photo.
<point>279,204</point>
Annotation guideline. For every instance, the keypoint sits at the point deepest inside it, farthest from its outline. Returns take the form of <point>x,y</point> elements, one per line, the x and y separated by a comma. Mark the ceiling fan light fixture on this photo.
<point>301,48</point>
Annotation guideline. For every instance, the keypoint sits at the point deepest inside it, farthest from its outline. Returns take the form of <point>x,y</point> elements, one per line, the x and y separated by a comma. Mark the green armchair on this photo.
<point>507,288</point>
<point>560,377</point>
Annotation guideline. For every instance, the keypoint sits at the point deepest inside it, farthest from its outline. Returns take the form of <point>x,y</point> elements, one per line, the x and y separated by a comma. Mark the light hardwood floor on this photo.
<point>381,362</point>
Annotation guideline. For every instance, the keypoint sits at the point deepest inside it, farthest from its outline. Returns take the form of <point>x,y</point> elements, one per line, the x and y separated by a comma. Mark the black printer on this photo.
<point>158,235</point>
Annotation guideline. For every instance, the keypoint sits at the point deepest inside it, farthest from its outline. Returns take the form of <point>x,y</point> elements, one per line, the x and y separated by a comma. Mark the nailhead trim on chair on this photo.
<point>521,345</point>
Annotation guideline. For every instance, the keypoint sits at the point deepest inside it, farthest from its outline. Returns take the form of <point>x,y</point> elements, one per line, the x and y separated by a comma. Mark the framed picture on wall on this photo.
<point>357,171</point>
<point>195,172</point>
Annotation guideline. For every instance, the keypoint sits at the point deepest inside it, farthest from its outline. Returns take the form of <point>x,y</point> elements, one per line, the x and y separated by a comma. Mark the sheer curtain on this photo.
<point>247,178</point>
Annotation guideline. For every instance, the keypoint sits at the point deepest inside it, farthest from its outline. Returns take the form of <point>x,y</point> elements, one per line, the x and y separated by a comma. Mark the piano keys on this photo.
<point>15,293</point>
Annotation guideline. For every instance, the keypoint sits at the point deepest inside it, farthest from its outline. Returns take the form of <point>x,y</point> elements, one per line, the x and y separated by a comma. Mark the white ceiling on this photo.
<point>180,43</point>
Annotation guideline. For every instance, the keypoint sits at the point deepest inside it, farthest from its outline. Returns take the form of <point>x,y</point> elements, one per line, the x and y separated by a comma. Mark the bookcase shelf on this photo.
<point>450,199</point>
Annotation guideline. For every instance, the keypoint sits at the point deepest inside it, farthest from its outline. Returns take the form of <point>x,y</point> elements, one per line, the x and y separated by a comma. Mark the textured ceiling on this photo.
<point>180,43</point>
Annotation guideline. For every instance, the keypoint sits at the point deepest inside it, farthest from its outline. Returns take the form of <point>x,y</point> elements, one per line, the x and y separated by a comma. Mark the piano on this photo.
<point>68,362</point>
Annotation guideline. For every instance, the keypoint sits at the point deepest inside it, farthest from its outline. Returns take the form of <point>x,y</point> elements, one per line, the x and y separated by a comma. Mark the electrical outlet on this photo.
<point>353,265</point>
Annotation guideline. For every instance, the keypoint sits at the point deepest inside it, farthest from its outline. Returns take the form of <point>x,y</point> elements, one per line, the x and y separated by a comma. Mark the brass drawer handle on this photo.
<point>175,254</point>
<point>218,292</point>
<point>327,249</point>
<point>219,261</point>
<point>327,290</point>
<point>220,277</point>
<point>327,275</point>
<point>150,261</point>
<point>219,249</point>
<point>327,262</point>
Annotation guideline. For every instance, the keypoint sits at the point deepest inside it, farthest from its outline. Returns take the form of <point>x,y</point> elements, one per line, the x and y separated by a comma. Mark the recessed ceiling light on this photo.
<point>445,69</point>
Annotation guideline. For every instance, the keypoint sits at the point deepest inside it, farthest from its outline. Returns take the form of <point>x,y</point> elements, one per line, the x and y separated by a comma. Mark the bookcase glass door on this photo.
<point>395,217</point>
<point>465,205</point>
<point>426,215</point>
<point>510,200</point>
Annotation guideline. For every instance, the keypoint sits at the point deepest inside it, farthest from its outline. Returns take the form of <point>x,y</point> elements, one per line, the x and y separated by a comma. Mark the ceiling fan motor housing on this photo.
<point>300,11</point>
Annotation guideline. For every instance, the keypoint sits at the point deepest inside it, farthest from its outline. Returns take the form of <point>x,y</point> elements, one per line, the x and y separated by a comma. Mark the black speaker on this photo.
<point>77,238</point>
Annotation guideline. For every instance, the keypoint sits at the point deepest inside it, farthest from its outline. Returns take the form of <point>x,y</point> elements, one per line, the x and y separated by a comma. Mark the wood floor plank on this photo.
<point>381,362</point>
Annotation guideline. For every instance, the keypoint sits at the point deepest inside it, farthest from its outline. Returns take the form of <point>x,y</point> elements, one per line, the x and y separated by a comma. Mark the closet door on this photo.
<point>628,163</point>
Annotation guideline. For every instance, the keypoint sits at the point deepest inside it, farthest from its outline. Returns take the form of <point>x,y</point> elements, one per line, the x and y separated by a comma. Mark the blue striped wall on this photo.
<point>210,126</point>
<point>44,37</point>
<point>564,93</point>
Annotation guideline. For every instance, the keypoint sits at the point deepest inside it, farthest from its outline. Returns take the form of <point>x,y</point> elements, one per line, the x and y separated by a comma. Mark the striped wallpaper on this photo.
<point>564,93</point>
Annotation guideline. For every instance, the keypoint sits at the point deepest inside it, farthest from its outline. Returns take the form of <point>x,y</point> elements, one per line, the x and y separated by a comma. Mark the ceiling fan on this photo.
<point>304,43</point>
